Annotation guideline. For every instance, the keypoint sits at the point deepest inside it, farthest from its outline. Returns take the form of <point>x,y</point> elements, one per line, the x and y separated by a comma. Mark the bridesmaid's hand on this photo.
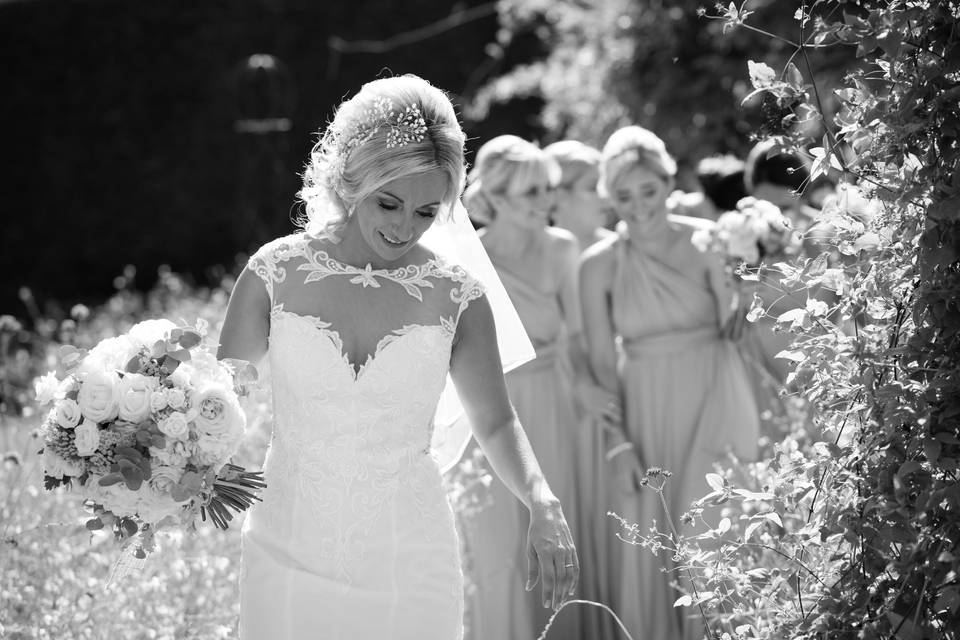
<point>551,555</point>
<point>598,403</point>
<point>627,468</point>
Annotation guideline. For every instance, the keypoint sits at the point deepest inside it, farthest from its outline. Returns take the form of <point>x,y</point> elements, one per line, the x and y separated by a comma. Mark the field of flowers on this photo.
<point>54,573</point>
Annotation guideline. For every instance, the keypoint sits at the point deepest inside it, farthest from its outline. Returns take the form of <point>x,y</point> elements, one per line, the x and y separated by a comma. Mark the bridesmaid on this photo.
<point>580,210</point>
<point>510,193</point>
<point>687,399</point>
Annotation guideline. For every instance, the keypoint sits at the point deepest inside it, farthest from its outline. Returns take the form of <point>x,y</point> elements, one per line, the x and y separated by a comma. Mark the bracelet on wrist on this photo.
<point>617,450</point>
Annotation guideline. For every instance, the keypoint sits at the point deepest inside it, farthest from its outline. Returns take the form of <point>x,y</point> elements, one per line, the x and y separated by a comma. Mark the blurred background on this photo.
<point>141,137</point>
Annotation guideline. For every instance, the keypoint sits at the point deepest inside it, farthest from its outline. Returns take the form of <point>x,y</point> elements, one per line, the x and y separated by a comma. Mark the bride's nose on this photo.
<point>404,229</point>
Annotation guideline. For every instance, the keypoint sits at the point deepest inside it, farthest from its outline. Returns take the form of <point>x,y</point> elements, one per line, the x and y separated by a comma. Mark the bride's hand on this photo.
<point>551,555</point>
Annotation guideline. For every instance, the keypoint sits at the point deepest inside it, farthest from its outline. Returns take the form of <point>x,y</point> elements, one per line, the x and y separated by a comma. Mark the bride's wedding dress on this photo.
<point>354,539</point>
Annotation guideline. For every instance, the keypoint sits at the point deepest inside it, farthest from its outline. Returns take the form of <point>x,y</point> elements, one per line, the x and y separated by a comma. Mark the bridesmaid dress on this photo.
<point>687,402</point>
<point>540,390</point>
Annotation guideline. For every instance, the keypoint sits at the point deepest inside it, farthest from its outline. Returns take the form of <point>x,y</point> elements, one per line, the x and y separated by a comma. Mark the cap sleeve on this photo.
<point>466,289</point>
<point>267,263</point>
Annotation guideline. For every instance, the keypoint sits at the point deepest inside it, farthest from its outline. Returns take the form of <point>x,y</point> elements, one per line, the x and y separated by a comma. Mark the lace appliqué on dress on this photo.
<point>346,443</point>
<point>412,278</point>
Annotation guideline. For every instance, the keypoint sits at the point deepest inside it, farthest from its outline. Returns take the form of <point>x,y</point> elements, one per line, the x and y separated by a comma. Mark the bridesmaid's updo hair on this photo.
<point>392,128</point>
<point>506,165</point>
<point>577,161</point>
<point>634,146</point>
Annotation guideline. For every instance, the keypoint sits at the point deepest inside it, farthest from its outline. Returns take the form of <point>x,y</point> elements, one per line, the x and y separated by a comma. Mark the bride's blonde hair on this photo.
<point>392,128</point>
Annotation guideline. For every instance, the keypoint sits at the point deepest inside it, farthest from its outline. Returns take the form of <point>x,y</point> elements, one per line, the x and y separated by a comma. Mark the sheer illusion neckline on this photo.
<point>356,368</point>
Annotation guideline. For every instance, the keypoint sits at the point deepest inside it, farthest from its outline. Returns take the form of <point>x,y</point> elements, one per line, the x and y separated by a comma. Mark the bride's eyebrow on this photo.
<point>400,200</point>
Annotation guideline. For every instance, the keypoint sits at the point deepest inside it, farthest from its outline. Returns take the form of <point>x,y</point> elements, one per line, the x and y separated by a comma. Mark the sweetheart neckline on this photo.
<point>336,341</point>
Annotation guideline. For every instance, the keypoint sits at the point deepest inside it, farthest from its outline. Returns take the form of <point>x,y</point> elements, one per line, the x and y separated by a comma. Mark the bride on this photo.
<point>362,323</point>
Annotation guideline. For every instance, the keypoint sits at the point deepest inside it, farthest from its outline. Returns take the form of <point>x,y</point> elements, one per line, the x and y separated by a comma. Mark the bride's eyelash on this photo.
<point>387,206</point>
<point>428,214</point>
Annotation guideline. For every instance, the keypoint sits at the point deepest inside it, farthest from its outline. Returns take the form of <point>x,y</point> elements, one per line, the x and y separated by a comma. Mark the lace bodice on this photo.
<point>358,359</point>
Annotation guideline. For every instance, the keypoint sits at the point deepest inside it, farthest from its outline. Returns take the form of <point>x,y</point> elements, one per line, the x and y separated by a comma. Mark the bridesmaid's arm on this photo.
<point>477,372</point>
<point>594,399</point>
<point>596,278</point>
<point>247,324</point>
<point>596,281</point>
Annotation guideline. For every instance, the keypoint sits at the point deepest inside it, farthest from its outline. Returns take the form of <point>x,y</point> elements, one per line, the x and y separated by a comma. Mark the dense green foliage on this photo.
<point>851,528</point>
<point>657,64</point>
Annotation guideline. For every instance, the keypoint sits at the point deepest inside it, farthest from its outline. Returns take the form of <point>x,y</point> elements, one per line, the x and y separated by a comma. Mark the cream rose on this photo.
<point>180,377</point>
<point>56,467</point>
<point>86,438</point>
<point>68,413</point>
<point>212,453</point>
<point>163,478</point>
<point>176,398</point>
<point>158,401</point>
<point>46,388</point>
<point>218,416</point>
<point>148,332</point>
<point>175,425</point>
<point>98,396</point>
<point>109,354</point>
<point>135,393</point>
<point>173,455</point>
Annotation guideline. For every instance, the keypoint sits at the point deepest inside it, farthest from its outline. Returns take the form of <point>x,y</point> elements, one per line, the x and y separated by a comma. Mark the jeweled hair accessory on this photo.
<point>405,126</point>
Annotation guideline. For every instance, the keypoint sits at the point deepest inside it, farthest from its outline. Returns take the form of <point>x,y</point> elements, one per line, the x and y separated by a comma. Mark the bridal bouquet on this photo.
<point>754,229</point>
<point>142,428</point>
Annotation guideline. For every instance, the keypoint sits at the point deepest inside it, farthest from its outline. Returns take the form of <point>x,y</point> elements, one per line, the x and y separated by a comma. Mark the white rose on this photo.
<point>46,388</point>
<point>87,438</point>
<point>115,498</point>
<point>56,467</point>
<point>68,413</point>
<point>176,397</point>
<point>135,393</point>
<point>148,332</point>
<point>109,354</point>
<point>98,395</point>
<point>218,416</point>
<point>173,455</point>
<point>153,506</point>
<point>158,401</point>
<point>174,425</point>
<point>212,453</point>
<point>180,378</point>
<point>163,478</point>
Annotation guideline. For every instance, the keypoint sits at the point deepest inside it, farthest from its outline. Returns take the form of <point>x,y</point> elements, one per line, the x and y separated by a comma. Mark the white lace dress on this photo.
<point>354,539</point>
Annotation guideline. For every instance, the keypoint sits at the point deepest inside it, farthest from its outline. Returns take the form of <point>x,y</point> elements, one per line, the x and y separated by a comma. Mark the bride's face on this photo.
<point>393,218</point>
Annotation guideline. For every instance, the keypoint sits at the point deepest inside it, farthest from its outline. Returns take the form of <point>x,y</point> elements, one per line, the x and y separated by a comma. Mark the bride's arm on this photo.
<point>245,328</point>
<point>477,373</point>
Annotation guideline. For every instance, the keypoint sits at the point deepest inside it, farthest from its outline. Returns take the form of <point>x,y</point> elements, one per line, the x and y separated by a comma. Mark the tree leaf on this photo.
<point>774,517</point>
<point>683,601</point>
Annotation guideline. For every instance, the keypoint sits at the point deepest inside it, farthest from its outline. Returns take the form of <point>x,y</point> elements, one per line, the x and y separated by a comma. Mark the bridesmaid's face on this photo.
<point>639,195</point>
<point>392,219</point>
<point>578,205</point>
<point>527,206</point>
